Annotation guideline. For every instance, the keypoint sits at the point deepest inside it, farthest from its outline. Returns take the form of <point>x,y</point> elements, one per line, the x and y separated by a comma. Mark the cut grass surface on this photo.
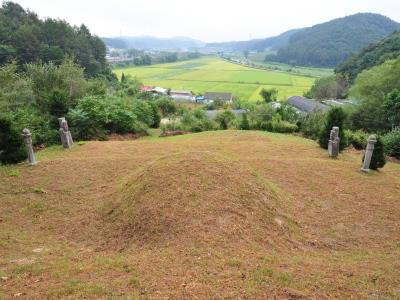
<point>214,215</point>
<point>214,74</point>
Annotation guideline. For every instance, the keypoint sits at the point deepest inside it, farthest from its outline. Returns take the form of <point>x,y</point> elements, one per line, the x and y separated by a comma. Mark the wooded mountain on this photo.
<point>25,38</point>
<point>322,45</point>
<point>372,55</point>
<point>328,44</point>
<point>153,43</point>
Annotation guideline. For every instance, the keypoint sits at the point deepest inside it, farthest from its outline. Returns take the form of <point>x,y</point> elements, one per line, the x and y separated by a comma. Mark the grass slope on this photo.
<point>213,74</point>
<point>219,215</point>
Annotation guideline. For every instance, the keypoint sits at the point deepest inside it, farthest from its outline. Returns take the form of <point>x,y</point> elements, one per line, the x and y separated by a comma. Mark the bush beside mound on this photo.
<point>12,148</point>
<point>392,143</point>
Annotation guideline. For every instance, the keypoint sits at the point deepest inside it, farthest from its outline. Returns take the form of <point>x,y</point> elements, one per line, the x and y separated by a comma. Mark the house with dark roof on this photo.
<point>182,95</point>
<point>212,96</point>
<point>306,105</point>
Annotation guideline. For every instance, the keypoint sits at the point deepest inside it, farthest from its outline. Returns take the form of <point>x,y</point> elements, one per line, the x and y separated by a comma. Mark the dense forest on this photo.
<point>373,55</point>
<point>328,44</point>
<point>25,38</point>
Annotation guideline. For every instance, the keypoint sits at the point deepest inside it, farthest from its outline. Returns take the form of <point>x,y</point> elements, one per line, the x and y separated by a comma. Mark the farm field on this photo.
<point>213,215</point>
<point>211,74</point>
<point>258,59</point>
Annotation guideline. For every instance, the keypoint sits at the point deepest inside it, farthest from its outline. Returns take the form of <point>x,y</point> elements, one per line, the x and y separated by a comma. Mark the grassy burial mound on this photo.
<point>215,215</point>
<point>197,198</point>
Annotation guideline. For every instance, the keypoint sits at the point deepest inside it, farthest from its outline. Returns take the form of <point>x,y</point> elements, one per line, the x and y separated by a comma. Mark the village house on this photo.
<point>182,95</point>
<point>306,105</point>
<point>155,90</point>
<point>212,96</point>
<point>146,88</point>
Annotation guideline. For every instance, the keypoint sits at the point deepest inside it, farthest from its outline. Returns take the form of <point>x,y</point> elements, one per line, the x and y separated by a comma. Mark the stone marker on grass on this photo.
<point>29,147</point>
<point>334,142</point>
<point>368,153</point>
<point>65,134</point>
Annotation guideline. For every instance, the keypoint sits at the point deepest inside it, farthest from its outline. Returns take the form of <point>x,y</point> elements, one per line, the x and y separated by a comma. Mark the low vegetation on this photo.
<point>213,74</point>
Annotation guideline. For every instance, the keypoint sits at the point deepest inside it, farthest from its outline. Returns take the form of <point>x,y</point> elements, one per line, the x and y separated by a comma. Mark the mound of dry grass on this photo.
<point>195,198</point>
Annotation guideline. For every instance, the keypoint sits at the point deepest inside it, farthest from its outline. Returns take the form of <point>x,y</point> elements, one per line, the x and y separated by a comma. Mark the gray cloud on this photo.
<point>208,20</point>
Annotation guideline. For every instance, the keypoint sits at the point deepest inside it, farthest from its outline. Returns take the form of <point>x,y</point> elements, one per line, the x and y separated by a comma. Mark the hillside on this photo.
<point>226,215</point>
<point>153,43</point>
<point>372,55</point>
<point>322,45</point>
<point>330,43</point>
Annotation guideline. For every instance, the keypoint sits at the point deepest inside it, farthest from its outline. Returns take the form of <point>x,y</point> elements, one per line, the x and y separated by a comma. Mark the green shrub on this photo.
<point>38,123</point>
<point>288,113</point>
<point>260,116</point>
<point>225,119</point>
<point>12,149</point>
<point>156,119</point>
<point>391,142</point>
<point>283,127</point>
<point>358,139</point>
<point>166,106</point>
<point>378,159</point>
<point>196,121</point>
<point>94,117</point>
<point>244,123</point>
<point>311,124</point>
<point>336,117</point>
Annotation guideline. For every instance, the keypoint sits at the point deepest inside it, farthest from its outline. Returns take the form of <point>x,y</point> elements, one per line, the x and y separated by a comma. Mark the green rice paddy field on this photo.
<point>211,74</point>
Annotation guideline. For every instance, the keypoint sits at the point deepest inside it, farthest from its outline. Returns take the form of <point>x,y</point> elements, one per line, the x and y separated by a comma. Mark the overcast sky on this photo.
<point>207,20</point>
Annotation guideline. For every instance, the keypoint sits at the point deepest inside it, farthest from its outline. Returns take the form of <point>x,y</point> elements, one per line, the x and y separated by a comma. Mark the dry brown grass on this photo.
<point>219,215</point>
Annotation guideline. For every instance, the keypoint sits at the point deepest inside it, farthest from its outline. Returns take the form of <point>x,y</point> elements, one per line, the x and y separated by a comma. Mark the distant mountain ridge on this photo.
<point>322,45</point>
<point>273,43</point>
<point>153,43</point>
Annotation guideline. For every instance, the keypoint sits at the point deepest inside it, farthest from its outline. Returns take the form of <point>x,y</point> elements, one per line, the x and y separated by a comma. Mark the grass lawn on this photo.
<point>213,215</point>
<point>216,75</point>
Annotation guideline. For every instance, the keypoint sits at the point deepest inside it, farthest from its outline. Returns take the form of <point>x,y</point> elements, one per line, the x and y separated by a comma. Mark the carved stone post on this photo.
<point>29,147</point>
<point>368,153</point>
<point>65,134</point>
<point>334,143</point>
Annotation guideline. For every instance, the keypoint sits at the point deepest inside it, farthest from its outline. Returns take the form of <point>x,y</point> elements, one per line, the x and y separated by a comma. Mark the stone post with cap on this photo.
<point>29,147</point>
<point>334,143</point>
<point>65,134</point>
<point>368,153</point>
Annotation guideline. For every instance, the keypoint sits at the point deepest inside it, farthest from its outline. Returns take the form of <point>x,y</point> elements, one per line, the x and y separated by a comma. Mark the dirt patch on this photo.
<point>126,136</point>
<point>173,133</point>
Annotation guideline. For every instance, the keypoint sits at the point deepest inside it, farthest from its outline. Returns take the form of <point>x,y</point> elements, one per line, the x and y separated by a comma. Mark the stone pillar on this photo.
<point>368,153</point>
<point>29,147</point>
<point>334,143</point>
<point>65,134</point>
